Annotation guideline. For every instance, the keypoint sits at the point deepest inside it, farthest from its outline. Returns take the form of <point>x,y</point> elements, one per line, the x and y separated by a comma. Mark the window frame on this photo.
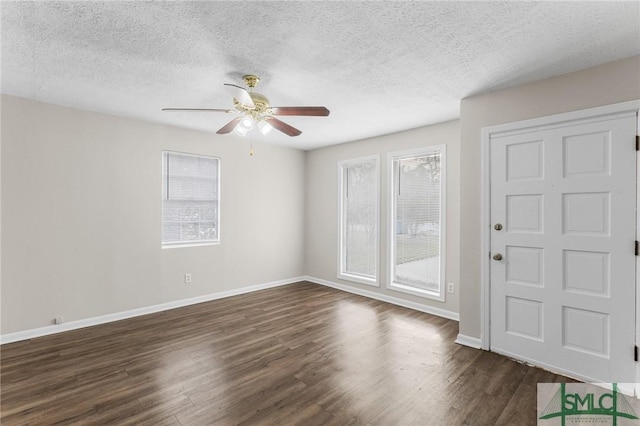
<point>190,243</point>
<point>342,273</point>
<point>392,157</point>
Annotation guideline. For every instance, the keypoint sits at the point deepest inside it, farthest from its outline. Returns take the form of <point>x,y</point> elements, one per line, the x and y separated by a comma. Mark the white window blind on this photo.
<point>359,227</point>
<point>417,209</point>
<point>190,206</point>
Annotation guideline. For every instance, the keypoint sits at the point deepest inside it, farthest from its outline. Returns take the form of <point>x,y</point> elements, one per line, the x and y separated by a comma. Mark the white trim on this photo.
<point>181,245</point>
<point>637,342</point>
<point>427,294</point>
<point>551,121</point>
<point>358,279</point>
<point>391,226</point>
<point>341,274</point>
<point>103,319</point>
<point>389,299</point>
<point>563,119</point>
<point>472,342</point>
<point>485,238</point>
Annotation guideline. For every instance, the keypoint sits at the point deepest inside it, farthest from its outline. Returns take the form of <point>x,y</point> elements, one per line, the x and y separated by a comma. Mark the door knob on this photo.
<point>497,256</point>
<point>498,226</point>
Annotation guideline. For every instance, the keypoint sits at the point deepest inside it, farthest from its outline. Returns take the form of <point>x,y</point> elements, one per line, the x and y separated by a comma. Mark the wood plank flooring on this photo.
<point>299,354</point>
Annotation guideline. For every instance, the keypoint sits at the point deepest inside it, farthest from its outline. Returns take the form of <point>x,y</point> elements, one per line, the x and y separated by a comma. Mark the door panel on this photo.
<point>563,293</point>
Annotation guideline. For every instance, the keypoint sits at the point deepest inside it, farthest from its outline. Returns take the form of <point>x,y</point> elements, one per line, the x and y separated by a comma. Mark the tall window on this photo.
<point>417,212</point>
<point>190,206</point>
<point>359,220</point>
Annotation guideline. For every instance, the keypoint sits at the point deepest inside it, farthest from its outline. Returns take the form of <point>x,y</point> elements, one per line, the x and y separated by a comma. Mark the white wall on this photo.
<point>322,205</point>
<point>602,85</point>
<point>81,215</point>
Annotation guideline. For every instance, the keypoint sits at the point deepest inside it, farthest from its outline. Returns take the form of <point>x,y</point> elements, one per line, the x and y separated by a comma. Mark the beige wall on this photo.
<point>81,215</point>
<point>81,203</point>
<point>603,85</point>
<point>322,205</point>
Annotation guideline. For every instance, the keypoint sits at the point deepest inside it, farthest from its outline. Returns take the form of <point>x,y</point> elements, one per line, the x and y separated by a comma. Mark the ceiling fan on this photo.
<point>255,110</point>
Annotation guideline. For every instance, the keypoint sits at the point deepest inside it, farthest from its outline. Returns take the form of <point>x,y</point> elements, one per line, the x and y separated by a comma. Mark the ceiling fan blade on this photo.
<point>282,126</point>
<point>228,128</point>
<point>198,109</point>
<point>302,110</point>
<point>240,94</point>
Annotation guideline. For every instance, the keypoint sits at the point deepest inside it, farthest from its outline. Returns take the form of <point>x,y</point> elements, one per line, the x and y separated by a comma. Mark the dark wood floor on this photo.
<point>299,354</point>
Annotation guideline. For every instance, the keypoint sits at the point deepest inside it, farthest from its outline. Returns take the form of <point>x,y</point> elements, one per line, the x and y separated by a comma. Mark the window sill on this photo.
<point>194,244</point>
<point>373,282</point>
<point>426,294</point>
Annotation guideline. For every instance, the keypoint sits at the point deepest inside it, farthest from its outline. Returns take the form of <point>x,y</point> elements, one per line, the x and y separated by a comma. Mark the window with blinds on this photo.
<point>190,202</point>
<point>417,204</point>
<point>359,220</point>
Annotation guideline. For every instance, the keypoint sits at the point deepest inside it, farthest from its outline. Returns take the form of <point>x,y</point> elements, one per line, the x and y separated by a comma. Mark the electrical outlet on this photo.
<point>58,320</point>
<point>451,288</point>
<point>187,278</point>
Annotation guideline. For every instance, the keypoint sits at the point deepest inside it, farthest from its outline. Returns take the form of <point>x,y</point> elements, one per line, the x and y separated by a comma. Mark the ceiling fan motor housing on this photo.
<point>260,102</point>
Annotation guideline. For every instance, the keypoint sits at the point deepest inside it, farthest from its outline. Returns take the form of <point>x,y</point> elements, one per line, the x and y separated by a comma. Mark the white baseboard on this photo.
<point>103,319</point>
<point>386,298</point>
<point>472,342</point>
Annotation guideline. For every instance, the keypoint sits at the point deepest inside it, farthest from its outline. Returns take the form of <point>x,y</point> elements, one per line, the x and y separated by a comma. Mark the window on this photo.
<point>190,206</point>
<point>417,222</point>
<point>359,220</point>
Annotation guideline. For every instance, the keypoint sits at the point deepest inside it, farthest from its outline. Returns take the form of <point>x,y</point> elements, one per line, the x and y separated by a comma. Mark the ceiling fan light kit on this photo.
<point>245,126</point>
<point>256,111</point>
<point>264,127</point>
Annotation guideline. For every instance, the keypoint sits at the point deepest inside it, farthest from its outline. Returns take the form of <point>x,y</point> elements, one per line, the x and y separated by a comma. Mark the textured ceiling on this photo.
<point>380,67</point>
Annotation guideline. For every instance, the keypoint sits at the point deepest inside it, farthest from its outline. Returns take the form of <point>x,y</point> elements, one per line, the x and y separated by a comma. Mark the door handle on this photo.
<point>497,256</point>
<point>498,226</point>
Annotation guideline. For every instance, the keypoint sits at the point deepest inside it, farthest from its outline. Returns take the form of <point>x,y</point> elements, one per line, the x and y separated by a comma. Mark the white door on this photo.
<point>563,293</point>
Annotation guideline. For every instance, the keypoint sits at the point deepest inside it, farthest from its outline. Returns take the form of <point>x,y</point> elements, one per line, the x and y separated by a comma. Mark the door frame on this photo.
<point>485,199</point>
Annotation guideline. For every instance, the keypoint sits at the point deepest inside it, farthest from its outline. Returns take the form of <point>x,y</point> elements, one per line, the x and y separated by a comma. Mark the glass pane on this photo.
<point>170,232</point>
<point>190,198</point>
<point>208,213</point>
<point>189,232</point>
<point>208,231</point>
<point>417,227</point>
<point>359,219</point>
<point>191,177</point>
